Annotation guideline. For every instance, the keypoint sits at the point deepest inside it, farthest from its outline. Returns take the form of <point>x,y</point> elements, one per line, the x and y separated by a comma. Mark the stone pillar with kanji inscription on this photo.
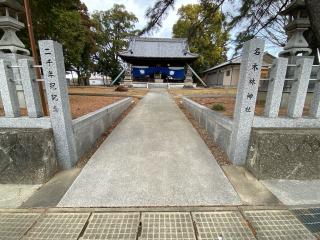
<point>58,100</point>
<point>247,92</point>
<point>127,81</point>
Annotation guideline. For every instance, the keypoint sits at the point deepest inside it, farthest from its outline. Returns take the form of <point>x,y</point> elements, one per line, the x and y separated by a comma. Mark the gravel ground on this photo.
<point>132,92</point>
<point>82,105</point>
<point>229,102</point>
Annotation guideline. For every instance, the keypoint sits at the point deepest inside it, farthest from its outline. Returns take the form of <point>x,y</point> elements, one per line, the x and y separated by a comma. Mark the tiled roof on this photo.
<point>235,60</point>
<point>267,57</point>
<point>158,48</point>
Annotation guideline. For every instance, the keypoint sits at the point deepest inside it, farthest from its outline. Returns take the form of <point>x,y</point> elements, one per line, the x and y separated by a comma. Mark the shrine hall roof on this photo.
<point>165,48</point>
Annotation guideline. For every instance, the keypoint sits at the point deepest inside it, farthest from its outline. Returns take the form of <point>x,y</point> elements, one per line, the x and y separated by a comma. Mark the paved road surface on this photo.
<point>154,157</point>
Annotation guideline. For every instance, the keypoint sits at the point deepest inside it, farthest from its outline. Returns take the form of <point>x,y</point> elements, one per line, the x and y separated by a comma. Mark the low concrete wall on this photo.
<point>27,156</point>
<point>218,126</point>
<point>284,153</point>
<point>139,85</point>
<point>88,128</point>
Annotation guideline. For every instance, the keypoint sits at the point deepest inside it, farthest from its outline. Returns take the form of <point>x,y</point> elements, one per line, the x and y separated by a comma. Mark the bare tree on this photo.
<point>253,18</point>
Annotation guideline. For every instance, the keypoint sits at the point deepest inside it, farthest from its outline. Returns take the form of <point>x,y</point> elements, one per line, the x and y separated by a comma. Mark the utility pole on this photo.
<point>35,54</point>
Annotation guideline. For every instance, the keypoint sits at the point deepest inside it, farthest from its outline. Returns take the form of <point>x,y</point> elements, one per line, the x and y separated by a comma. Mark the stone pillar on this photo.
<point>275,89</point>
<point>8,90</point>
<point>14,58</point>
<point>247,92</point>
<point>188,82</point>
<point>58,99</point>
<point>300,86</point>
<point>315,107</point>
<point>157,78</point>
<point>31,88</point>
<point>127,82</point>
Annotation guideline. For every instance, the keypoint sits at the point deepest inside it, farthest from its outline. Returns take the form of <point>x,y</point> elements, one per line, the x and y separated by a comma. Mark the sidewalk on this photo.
<point>144,224</point>
<point>153,158</point>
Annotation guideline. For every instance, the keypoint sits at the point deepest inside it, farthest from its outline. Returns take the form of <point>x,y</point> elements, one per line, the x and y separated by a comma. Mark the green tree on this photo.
<point>115,27</point>
<point>68,22</point>
<point>209,39</point>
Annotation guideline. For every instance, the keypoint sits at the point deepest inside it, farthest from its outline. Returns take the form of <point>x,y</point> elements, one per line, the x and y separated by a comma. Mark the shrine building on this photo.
<point>158,59</point>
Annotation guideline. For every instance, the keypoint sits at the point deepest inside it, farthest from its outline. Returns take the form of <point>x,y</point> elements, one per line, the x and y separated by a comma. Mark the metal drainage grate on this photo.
<point>310,218</point>
<point>58,226</point>
<point>221,225</point>
<point>115,226</point>
<point>163,226</point>
<point>14,226</point>
<point>278,224</point>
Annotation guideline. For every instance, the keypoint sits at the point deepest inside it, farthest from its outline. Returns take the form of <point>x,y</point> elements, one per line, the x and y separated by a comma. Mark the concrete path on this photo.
<point>153,158</point>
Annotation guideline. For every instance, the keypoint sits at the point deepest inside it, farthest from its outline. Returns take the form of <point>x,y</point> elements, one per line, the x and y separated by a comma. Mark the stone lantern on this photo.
<point>297,25</point>
<point>10,24</point>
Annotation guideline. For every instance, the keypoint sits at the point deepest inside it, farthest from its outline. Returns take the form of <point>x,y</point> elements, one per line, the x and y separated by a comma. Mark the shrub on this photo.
<point>218,107</point>
<point>121,89</point>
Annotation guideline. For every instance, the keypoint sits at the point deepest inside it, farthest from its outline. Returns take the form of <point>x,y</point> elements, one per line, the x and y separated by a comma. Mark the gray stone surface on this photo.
<point>31,88</point>
<point>88,128</point>
<point>285,122</point>
<point>250,190</point>
<point>27,156</point>
<point>50,194</point>
<point>315,106</point>
<point>58,99</point>
<point>25,122</point>
<point>275,88</point>
<point>284,153</point>
<point>8,90</point>
<point>153,158</point>
<point>300,86</point>
<point>13,195</point>
<point>246,100</point>
<point>14,58</point>
<point>295,192</point>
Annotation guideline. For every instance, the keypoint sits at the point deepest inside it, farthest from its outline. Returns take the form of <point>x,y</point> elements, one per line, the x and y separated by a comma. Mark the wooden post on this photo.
<point>35,54</point>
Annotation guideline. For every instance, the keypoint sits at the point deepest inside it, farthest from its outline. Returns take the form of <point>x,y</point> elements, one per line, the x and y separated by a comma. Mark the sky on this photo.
<point>139,7</point>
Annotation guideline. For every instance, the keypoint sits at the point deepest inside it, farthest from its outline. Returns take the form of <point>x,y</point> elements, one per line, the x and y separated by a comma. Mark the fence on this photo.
<point>299,75</point>
<point>67,133</point>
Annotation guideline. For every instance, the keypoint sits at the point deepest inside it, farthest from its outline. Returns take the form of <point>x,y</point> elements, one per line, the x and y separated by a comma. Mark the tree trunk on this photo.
<point>313,7</point>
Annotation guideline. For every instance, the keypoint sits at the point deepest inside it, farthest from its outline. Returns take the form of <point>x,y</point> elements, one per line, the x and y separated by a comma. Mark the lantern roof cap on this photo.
<point>13,4</point>
<point>294,5</point>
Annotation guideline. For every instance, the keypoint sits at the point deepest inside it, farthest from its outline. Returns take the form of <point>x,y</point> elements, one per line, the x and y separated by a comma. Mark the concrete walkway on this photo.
<point>153,158</point>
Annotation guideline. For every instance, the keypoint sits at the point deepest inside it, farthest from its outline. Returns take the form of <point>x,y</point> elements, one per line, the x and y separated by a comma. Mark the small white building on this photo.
<point>228,73</point>
<point>99,80</point>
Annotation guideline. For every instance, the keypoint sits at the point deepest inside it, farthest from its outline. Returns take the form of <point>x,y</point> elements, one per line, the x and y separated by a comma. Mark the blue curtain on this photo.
<point>176,74</point>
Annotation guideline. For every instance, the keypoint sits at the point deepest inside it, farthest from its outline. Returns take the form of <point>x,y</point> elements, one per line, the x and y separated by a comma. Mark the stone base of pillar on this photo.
<point>188,83</point>
<point>158,80</point>
<point>127,83</point>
